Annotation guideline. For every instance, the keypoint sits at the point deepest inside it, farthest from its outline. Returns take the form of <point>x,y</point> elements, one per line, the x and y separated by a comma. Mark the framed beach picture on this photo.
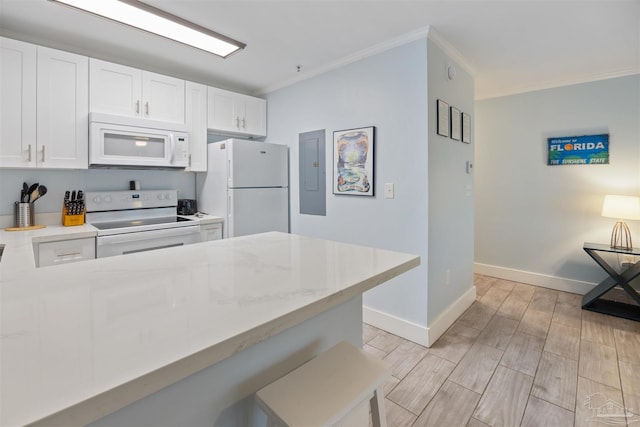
<point>353,159</point>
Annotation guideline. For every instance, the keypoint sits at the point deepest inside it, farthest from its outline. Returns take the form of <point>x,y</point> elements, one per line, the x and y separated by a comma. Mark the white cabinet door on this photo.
<point>62,109</point>
<point>211,232</point>
<point>163,97</point>
<point>17,103</point>
<point>196,121</point>
<point>220,113</point>
<point>127,91</point>
<point>254,112</point>
<point>236,114</point>
<point>115,89</point>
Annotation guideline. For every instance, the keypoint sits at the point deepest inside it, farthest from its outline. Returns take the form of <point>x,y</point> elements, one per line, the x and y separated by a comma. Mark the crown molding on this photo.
<point>558,83</point>
<point>451,51</point>
<point>418,34</point>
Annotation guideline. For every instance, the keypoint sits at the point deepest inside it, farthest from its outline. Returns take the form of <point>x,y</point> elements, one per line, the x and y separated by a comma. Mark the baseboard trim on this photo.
<point>537,279</point>
<point>449,316</point>
<point>395,325</point>
<point>419,334</point>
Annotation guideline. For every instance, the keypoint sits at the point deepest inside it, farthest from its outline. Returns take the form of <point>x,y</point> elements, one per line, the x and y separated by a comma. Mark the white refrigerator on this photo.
<point>247,184</point>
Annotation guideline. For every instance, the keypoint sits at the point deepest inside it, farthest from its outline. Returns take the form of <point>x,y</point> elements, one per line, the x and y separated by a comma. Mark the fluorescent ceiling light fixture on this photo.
<point>156,21</point>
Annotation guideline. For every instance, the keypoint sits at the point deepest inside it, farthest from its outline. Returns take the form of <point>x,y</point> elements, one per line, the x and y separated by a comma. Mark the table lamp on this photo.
<point>621,208</point>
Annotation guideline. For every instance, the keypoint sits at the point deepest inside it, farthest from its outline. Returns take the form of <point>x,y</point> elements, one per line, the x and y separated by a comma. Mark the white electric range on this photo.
<point>138,221</point>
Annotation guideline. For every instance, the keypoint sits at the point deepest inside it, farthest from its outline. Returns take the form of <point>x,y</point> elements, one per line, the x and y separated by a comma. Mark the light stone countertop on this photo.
<point>18,255</point>
<point>82,340</point>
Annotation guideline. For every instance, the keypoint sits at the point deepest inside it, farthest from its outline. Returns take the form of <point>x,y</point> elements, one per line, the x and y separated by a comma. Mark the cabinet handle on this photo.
<point>243,124</point>
<point>29,157</point>
<point>43,153</point>
<point>189,160</point>
<point>138,106</point>
<point>69,254</point>
<point>146,107</point>
<point>238,122</point>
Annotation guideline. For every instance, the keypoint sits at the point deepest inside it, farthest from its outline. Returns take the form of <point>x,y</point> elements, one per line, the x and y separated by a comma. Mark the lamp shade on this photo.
<point>621,207</point>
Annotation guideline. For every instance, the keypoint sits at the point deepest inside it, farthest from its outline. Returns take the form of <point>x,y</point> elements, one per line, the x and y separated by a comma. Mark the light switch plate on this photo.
<point>388,190</point>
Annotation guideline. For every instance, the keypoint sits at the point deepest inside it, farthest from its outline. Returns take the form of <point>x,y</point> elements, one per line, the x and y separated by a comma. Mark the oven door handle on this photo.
<point>146,235</point>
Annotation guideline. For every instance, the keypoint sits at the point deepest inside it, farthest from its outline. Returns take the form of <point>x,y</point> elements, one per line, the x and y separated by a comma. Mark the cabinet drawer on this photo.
<point>211,232</point>
<point>66,251</point>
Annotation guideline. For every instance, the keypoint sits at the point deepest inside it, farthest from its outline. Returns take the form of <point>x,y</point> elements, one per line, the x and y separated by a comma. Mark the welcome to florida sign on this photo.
<point>579,150</point>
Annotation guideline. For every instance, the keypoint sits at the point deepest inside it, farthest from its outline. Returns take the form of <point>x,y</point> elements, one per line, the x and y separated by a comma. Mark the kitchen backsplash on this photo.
<point>57,181</point>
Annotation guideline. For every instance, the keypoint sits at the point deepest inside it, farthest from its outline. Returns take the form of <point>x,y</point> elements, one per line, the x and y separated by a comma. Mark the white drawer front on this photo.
<point>211,232</point>
<point>66,251</point>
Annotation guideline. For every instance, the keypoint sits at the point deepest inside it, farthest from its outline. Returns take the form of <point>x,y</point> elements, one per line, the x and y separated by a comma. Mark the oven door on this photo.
<point>129,243</point>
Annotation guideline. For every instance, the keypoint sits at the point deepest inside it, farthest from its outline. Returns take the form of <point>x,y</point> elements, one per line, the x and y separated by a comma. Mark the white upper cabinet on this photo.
<point>196,121</point>
<point>17,103</point>
<point>236,114</point>
<point>63,109</point>
<point>126,91</point>
<point>114,89</point>
<point>254,111</point>
<point>163,97</point>
<point>45,107</point>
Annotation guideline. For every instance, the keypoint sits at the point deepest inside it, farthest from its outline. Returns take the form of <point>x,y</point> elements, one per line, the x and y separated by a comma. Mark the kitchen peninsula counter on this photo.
<point>82,341</point>
<point>18,256</point>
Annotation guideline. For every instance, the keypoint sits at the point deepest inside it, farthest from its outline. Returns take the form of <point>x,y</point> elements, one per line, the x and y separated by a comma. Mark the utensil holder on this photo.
<point>24,214</point>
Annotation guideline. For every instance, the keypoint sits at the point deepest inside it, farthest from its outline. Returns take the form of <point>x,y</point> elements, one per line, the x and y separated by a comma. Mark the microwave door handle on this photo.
<point>172,147</point>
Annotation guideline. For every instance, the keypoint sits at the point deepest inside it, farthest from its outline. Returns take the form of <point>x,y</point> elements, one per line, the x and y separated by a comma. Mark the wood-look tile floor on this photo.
<point>519,356</point>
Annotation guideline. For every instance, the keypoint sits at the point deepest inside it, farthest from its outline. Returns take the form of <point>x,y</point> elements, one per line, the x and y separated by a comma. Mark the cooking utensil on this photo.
<point>31,190</point>
<point>23,192</point>
<point>39,192</point>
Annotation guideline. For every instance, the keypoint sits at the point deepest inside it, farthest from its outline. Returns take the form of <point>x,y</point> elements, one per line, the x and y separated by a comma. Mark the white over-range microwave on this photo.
<point>119,141</point>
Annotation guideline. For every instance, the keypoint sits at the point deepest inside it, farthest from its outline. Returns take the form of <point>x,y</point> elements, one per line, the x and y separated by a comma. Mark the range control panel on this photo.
<point>101,201</point>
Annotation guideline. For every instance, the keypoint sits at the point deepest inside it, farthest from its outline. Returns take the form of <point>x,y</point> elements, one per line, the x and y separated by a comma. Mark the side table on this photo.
<point>591,301</point>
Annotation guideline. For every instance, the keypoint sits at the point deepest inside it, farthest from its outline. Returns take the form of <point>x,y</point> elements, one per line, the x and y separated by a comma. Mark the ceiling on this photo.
<point>510,46</point>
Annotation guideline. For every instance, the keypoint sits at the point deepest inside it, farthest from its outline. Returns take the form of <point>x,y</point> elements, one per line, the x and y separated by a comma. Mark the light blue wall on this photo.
<point>431,214</point>
<point>387,91</point>
<point>451,209</point>
<point>57,181</point>
<point>534,217</point>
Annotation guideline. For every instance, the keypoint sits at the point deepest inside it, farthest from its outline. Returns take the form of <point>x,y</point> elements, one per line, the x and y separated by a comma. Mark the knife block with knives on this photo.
<point>73,208</point>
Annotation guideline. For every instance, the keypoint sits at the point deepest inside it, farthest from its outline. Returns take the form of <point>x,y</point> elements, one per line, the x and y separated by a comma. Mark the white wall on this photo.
<point>534,218</point>
<point>389,91</point>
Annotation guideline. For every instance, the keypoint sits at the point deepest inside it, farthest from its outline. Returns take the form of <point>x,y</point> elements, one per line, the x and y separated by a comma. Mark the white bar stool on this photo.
<point>323,391</point>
